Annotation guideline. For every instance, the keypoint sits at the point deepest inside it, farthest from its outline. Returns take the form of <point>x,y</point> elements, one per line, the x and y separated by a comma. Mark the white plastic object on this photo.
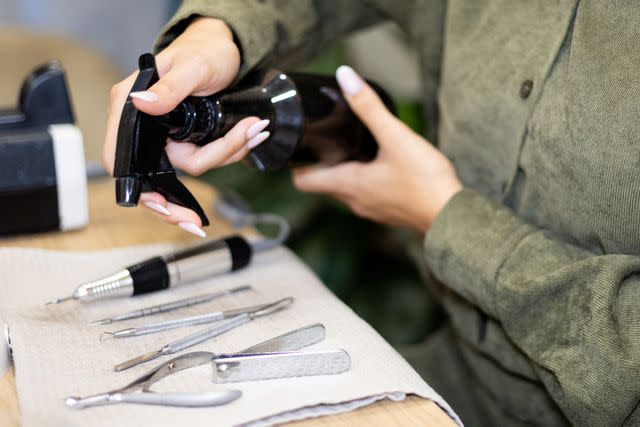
<point>71,176</point>
<point>5,352</point>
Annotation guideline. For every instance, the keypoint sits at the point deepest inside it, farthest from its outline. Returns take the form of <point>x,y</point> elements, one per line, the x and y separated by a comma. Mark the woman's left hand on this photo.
<point>406,185</point>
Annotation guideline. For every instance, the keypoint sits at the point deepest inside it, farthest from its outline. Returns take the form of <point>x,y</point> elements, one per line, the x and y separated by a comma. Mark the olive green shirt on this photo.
<point>536,103</point>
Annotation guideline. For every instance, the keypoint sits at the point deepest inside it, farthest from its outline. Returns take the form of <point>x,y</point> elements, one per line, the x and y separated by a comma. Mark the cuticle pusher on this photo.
<point>206,334</point>
<point>183,323</point>
<point>163,308</point>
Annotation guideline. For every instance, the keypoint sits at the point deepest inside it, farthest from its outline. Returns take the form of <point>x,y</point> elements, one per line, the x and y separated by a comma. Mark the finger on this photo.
<point>181,214</point>
<point>367,105</point>
<point>339,181</point>
<point>184,218</point>
<point>172,213</point>
<point>256,134</point>
<point>238,156</point>
<point>185,77</point>
<point>119,93</point>
<point>238,141</point>
<point>155,202</point>
<point>350,201</point>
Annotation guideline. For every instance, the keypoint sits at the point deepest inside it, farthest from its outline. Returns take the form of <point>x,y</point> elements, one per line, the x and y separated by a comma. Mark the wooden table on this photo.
<point>112,226</point>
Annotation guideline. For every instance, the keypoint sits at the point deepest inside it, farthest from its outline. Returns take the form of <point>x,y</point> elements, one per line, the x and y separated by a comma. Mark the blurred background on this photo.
<point>367,265</point>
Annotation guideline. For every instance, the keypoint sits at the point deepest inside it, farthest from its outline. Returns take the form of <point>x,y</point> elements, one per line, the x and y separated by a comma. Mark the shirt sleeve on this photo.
<point>572,312</point>
<point>271,32</point>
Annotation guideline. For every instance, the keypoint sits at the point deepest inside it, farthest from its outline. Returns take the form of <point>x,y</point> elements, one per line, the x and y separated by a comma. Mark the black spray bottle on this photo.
<point>310,122</point>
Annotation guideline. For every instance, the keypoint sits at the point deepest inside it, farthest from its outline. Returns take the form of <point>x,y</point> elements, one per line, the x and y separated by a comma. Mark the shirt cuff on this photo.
<point>468,242</point>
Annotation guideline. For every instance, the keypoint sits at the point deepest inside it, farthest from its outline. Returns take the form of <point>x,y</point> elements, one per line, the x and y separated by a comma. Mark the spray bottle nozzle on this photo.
<point>128,191</point>
<point>141,163</point>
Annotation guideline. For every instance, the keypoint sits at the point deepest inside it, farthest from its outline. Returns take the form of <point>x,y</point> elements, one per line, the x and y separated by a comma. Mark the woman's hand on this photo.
<point>407,184</point>
<point>202,60</point>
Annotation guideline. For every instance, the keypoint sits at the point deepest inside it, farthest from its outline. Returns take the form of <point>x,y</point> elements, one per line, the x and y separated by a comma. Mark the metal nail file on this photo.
<point>268,366</point>
<point>162,272</point>
<point>207,334</point>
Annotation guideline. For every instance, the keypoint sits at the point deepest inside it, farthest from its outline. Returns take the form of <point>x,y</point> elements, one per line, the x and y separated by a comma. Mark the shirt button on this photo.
<point>525,88</point>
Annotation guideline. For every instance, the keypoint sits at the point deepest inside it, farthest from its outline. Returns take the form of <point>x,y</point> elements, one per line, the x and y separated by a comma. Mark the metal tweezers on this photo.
<point>274,358</point>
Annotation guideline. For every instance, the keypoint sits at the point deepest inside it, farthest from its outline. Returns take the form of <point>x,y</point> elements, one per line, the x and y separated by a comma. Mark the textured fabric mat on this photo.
<point>57,354</point>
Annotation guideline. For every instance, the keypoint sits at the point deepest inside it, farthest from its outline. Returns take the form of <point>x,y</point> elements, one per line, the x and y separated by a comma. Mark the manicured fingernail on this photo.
<point>157,207</point>
<point>349,80</point>
<point>145,96</point>
<point>192,228</point>
<point>256,128</point>
<point>258,139</point>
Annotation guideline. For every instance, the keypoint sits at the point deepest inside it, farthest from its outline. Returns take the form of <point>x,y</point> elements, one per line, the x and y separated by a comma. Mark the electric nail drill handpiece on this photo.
<point>309,122</point>
<point>170,270</point>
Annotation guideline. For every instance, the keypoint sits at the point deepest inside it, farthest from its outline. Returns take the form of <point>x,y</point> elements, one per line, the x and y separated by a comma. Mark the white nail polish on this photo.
<point>192,228</point>
<point>256,128</point>
<point>258,139</point>
<point>145,96</point>
<point>158,208</point>
<point>349,80</point>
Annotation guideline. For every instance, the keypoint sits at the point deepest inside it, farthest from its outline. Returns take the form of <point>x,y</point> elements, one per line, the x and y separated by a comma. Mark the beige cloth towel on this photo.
<point>57,354</point>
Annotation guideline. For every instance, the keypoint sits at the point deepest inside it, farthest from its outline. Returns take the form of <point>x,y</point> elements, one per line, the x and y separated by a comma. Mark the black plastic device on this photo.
<point>310,122</point>
<point>42,171</point>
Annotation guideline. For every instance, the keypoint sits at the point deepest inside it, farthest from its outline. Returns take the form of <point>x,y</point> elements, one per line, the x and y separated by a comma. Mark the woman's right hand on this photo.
<point>203,60</point>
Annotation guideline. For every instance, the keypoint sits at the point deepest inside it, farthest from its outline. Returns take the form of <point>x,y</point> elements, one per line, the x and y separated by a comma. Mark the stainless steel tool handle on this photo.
<point>183,400</point>
<point>290,341</point>
<point>163,308</point>
<point>266,366</point>
<point>194,263</point>
<point>207,334</point>
<point>118,284</point>
<point>172,324</point>
<point>88,402</point>
<point>187,302</point>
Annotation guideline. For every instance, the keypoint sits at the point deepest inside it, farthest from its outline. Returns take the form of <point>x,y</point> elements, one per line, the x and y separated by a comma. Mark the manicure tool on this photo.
<point>206,334</point>
<point>163,308</point>
<point>187,265</point>
<point>183,323</point>
<point>275,358</point>
<point>281,347</point>
<point>127,395</point>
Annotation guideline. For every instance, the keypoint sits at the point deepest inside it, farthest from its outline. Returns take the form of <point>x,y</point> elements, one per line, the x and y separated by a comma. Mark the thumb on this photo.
<point>367,105</point>
<point>336,180</point>
<point>182,79</point>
